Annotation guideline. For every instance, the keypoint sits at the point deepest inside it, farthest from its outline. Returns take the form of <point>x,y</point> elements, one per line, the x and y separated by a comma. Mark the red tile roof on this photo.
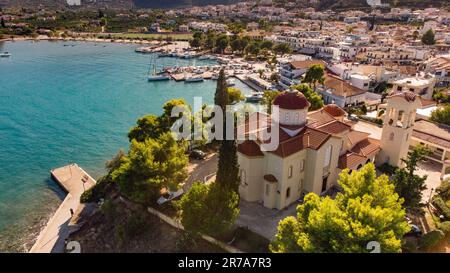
<point>249,148</point>
<point>350,160</point>
<point>367,147</point>
<point>340,87</point>
<point>306,64</point>
<point>307,138</point>
<point>291,100</point>
<point>334,127</point>
<point>356,136</point>
<point>334,110</point>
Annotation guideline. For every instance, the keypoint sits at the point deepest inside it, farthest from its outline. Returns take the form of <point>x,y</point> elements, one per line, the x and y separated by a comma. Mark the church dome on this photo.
<point>291,101</point>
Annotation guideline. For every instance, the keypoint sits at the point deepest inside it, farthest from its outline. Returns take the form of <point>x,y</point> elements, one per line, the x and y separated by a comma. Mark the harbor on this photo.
<point>73,180</point>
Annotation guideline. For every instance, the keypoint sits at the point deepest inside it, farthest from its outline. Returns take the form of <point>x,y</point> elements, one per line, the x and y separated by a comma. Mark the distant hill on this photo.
<point>164,4</point>
<point>167,4</point>
<point>159,4</point>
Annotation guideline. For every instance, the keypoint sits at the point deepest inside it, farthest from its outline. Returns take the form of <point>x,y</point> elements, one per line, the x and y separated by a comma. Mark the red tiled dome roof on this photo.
<point>334,110</point>
<point>291,101</point>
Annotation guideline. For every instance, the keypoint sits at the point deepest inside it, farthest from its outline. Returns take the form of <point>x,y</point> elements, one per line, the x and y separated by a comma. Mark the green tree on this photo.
<point>275,77</point>
<point>428,38</point>
<point>314,98</point>
<point>222,43</point>
<point>282,49</point>
<point>315,74</point>
<point>2,23</point>
<point>221,96</point>
<point>209,209</point>
<point>195,42</point>
<point>236,44</point>
<point>367,210</point>
<point>252,49</point>
<point>228,171</point>
<point>268,97</point>
<point>147,127</point>
<point>441,115</point>
<point>166,120</point>
<point>210,41</point>
<point>409,185</point>
<point>235,95</point>
<point>150,166</point>
<point>266,44</point>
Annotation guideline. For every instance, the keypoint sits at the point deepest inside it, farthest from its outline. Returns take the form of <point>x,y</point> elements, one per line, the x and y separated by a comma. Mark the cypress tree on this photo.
<point>228,171</point>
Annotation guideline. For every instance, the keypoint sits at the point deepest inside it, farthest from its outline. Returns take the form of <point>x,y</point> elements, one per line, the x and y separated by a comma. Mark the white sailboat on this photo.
<point>157,77</point>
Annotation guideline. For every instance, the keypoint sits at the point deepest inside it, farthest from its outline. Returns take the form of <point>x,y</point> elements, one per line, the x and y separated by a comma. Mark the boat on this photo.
<point>203,57</point>
<point>254,98</point>
<point>5,55</point>
<point>194,79</point>
<point>215,76</point>
<point>231,82</point>
<point>158,77</point>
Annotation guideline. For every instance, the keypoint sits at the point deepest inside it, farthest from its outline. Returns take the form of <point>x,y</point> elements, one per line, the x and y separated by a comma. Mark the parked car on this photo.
<point>169,196</point>
<point>197,154</point>
<point>415,231</point>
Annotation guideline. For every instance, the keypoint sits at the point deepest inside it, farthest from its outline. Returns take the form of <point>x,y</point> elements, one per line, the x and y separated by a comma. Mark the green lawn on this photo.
<point>148,36</point>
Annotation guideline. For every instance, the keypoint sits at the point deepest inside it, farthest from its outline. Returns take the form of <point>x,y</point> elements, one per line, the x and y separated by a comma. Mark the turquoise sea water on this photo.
<point>63,104</point>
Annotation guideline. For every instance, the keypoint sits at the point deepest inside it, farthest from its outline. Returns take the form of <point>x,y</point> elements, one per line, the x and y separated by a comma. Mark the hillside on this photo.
<point>180,3</point>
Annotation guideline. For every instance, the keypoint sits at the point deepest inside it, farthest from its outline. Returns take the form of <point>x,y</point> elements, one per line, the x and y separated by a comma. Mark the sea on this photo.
<point>70,102</point>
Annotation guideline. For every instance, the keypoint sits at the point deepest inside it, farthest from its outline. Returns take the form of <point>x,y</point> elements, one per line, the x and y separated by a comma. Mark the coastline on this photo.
<point>84,39</point>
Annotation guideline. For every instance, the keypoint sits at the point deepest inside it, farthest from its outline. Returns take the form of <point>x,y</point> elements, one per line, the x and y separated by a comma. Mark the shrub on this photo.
<point>378,121</point>
<point>388,169</point>
<point>431,238</point>
<point>445,227</point>
<point>439,203</point>
<point>97,192</point>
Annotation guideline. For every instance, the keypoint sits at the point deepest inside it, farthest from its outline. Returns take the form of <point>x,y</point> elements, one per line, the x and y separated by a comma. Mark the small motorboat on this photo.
<point>231,82</point>
<point>215,76</point>
<point>194,79</point>
<point>5,55</point>
<point>254,98</point>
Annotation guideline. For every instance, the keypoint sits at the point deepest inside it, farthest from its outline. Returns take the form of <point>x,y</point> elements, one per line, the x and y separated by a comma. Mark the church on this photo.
<point>314,147</point>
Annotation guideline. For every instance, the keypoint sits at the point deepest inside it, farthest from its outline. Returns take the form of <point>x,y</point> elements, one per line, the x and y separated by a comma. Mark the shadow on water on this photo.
<point>55,188</point>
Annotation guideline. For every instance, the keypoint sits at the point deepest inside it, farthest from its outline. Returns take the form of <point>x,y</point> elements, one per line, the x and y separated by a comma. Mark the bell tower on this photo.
<point>397,127</point>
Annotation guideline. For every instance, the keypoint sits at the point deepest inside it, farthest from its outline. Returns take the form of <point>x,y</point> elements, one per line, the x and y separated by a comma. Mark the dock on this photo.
<point>73,180</point>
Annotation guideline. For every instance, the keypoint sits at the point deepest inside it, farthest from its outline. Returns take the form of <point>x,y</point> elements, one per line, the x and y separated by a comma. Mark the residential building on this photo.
<point>338,91</point>
<point>422,84</point>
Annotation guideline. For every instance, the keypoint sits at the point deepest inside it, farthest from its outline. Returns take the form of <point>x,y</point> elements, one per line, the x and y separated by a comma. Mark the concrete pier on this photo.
<point>74,180</point>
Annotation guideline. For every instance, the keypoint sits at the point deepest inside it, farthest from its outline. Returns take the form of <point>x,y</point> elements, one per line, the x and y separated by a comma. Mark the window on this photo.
<point>399,88</point>
<point>302,165</point>
<point>286,117</point>
<point>300,185</point>
<point>407,135</point>
<point>297,117</point>
<point>391,136</point>
<point>267,189</point>
<point>290,172</point>
<point>288,192</point>
<point>327,159</point>
<point>243,177</point>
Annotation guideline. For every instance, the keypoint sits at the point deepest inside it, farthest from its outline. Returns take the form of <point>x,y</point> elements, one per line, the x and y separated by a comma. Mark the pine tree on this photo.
<point>428,38</point>
<point>409,185</point>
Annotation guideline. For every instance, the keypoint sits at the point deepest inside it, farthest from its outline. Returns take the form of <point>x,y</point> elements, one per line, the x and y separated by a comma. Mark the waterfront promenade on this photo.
<point>74,180</point>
